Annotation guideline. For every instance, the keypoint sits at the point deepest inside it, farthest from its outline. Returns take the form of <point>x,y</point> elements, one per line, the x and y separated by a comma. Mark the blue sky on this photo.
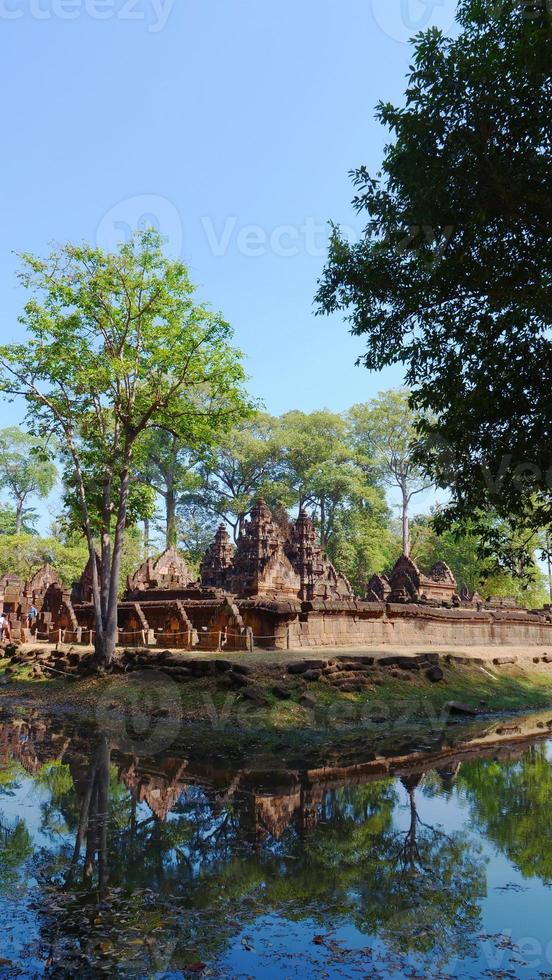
<point>231,125</point>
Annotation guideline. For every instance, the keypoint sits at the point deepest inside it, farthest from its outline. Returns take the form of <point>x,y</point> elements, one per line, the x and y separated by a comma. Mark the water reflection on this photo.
<point>172,865</point>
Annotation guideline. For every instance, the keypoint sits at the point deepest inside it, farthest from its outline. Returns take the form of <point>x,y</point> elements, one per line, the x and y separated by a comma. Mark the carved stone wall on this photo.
<point>408,583</point>
<point>169,571</point>
<point>378,588</point>
<point>274,558</point>
<point>82,590</point>
<point>216,567</point>
<point>261,566</point>
<point>319,578</point>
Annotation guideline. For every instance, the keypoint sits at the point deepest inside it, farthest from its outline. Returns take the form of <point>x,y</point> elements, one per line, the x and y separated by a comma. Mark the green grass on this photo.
<point>394,697</point>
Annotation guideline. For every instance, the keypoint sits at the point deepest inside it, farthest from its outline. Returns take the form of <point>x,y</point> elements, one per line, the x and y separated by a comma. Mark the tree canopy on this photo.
<point>25,471</point>
<point>385,433</point>
<point>452,275</point>
<point>116,346</point>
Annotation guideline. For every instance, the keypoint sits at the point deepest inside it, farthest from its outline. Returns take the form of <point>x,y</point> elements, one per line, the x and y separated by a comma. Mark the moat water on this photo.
<point>171,866</point>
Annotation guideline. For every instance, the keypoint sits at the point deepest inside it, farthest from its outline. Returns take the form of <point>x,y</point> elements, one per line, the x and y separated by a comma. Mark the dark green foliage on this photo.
<point>452,276</point>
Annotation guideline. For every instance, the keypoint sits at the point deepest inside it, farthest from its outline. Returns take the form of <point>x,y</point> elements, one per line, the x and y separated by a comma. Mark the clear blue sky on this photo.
<point>232,125</point>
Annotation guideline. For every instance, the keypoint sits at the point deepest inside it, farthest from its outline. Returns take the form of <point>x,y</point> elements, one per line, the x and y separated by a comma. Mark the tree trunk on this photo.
<point>548,543</point>
<point>83,826</point>
<point>106,572</point>
<point>106,651</point>
<point>323,540</point>
<point>19,516</point>
<point>170,504</point>
<point>405,524</point>
<point>146,537</point>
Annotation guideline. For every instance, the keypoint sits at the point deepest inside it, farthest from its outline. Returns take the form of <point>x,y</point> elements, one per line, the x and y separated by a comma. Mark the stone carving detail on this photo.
<point>36,588</point>
<point>319,578</point>
<point>378,588</point>
<point>40,582</point>
<point>57,610</point>
<point>442,573</point>
<point>169,571</point>
<point>404,580</point>
<point>217,563</point>
<point>408,583</point>
<point>471,599</point>
<point>11,587</point>
<point>82,590</point>
<point>273,558</point>
<point>261,566</point>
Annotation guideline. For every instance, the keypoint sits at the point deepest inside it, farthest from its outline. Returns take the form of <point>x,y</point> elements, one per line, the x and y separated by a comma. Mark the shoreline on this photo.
<point>321,697</point>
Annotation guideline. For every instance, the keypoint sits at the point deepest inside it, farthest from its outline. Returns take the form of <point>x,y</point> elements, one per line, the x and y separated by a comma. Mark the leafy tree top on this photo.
<point>452,275</point>
<point>117,346</point>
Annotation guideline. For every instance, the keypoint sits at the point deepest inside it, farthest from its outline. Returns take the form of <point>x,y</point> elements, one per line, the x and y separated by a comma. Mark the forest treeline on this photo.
<point>355,472</point>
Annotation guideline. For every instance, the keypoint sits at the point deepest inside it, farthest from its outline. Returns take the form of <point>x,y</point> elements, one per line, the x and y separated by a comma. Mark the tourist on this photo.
<point>31,617</point>
<point>5,632</point>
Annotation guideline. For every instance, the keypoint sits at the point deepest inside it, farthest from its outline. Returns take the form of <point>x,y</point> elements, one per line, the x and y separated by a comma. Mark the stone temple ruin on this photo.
<point>276,589</point>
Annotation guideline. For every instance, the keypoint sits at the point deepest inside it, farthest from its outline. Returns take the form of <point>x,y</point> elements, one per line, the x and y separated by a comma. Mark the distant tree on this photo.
<point>385,432</point>
<point>17,847</point>
<point>452,277</point>
<point>509,804</point>
<point>320,469</point>
<point>461,550</point>
<point>363,543</point>
<point>165,467</point>
<point>116,347</point>
<point>8,520</point>
<point>311,441</point>
<point>246,464</point>
<point>24,470</point>
<point>196,530</point>
<point>25,554</point>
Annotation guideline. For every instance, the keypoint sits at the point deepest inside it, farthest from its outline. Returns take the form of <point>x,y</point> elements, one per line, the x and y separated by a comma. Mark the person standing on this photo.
<point>31,617</point>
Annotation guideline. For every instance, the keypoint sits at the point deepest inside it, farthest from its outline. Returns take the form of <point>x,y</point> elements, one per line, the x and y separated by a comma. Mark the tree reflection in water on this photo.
<point>150,868</point>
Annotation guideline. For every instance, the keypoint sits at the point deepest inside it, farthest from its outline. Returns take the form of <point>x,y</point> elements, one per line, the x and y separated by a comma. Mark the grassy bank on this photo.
<point>270,699</point>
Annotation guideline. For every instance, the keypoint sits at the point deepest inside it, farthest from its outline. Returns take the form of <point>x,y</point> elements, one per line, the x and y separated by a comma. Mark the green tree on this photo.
<point>24,470</point>
<point>246,464</point>
<point>23,555</point>
<point>196,530</point>
<point>461,550</point>
<point>312,441</point>
<point>166,465</point>
<point>385,432</point>
<point>15,848</point>
<point>320,469</point>
<point>362,542</point>
<point>8,520</point>
<point>115,347</point>
<point>452,276</point>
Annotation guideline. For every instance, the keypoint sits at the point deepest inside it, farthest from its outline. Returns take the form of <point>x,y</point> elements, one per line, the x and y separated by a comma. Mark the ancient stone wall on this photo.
<point>403,625</point>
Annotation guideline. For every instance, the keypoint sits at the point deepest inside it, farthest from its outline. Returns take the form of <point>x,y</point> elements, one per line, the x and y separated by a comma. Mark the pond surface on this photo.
<point>168,866</point>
